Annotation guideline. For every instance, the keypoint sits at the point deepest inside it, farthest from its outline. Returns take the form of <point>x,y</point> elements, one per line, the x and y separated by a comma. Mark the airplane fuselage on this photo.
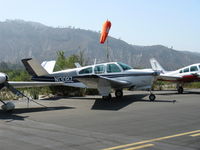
<point>138,78</point>
<point>189,73</point>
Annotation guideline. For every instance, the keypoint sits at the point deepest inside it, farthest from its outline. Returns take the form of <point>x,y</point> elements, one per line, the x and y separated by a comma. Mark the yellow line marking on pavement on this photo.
<point>152,140</point>
<point>139,147</point>
<point>194,135</point>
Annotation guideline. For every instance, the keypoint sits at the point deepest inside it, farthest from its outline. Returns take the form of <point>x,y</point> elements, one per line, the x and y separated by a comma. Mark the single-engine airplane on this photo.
<point>181,76</point>
<point>104,77</point>
<point>12,85</point>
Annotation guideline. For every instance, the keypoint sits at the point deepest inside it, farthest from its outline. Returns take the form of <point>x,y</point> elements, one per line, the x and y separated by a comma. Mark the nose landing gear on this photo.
<point>152,97</point>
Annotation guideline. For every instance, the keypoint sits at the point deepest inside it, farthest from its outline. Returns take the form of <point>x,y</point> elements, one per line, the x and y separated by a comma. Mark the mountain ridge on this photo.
<point>21,39</point>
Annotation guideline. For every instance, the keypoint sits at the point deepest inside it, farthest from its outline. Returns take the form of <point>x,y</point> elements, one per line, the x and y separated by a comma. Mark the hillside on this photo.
<point>21,39</point>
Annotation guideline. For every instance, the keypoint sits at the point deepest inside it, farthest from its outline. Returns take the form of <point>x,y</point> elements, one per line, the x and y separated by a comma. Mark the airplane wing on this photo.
<point>26,84</point>
<point>169,78</point>
<point>184,78</point>
<point>103,84</point>
<point>93,81</point>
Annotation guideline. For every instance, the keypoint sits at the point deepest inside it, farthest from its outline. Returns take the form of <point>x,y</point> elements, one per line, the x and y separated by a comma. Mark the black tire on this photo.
<point>109,97</point>
<point>180,90</point>
<point>119,93</point>
<point>152,97</point>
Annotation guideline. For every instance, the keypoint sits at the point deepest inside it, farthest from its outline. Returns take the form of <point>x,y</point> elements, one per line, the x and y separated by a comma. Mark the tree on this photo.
<point>63,62</point>
<point>81,58</point>
<point>60,63</point>
<point>3,66</point>
<point>71,60</point>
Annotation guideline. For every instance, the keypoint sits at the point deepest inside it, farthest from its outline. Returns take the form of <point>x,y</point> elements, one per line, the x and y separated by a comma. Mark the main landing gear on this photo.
<point>109,97</point>
<point>180,90</point>
<point>7,107</point>
<point>119,93</point>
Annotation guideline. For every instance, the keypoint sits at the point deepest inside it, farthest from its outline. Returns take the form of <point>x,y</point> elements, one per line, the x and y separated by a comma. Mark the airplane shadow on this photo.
<point>67,97</point>
<point>14,115</point>
<point>83,98</point>
<point>117,104</point>
<point>54,98</point>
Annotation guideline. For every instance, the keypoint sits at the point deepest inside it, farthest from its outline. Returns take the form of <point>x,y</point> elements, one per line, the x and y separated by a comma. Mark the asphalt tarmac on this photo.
<point>172,122</point>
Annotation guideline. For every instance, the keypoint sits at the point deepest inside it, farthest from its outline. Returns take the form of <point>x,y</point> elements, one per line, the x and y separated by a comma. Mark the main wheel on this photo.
<point>118,93</point>
<point>152,97</point>
<point>180,90</point>
<point>107,97</point>
<point>9,106</point>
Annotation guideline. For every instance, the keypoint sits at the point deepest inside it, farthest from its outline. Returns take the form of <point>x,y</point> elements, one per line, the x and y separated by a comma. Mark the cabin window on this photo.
<point>193,68</point>
<point>99,69</point>
<point>124,66</point>
<point>186,70</point>
<point>112,68</point>
<point>86,71</point>
<point>181,71</point>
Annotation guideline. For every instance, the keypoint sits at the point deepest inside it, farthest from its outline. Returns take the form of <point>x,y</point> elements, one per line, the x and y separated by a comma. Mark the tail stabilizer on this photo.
<point>33,67</point>
<point>156,65</point>
<point>49,65</point>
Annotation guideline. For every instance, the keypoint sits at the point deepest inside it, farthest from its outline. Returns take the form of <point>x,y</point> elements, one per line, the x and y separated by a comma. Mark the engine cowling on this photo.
<point>3,77</point>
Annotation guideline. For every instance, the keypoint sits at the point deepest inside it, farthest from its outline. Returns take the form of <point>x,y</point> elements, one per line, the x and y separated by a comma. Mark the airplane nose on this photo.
<point>3,77</point>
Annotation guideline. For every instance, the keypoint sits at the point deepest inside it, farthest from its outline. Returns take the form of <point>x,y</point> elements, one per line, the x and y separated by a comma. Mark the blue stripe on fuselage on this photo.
<point>74,80</point>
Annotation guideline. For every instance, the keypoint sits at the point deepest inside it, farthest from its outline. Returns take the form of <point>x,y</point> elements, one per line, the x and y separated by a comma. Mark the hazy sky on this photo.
<point>140,22</point>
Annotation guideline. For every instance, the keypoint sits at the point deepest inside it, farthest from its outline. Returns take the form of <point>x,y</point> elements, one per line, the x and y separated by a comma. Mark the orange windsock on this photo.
<point>105,30</point>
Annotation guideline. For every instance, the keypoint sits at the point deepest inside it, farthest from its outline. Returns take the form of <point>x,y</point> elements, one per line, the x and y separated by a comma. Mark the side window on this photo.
<point>112,68</point>
<point>86,71</point>
<point>99,69</point>
<point>193,68</point>
<point>124,66</point>
<point>186,70</point>
<point>181,71</point>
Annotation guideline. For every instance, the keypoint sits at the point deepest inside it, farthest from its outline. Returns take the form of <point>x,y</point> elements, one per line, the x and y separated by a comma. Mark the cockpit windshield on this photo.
<point>124,66</point>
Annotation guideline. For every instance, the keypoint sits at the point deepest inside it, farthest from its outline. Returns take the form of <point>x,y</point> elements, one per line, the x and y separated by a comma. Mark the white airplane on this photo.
<point>181,76</point>
<point>104,77</point>
<point>12,85</point>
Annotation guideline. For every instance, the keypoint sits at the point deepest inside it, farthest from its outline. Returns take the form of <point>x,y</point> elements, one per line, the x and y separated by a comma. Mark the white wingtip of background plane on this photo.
<point>156,66</point>
<point>49,65</point>
<point>77,65</point>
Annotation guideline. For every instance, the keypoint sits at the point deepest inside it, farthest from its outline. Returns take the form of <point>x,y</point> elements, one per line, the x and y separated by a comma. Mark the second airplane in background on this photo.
<point>181,76</point>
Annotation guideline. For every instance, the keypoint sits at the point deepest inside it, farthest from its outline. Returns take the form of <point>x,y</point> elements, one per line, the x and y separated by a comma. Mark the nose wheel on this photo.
<point>152,97</point>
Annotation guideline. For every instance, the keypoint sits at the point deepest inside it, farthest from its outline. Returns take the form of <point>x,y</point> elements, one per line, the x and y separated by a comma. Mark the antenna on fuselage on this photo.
<point>95,61</point>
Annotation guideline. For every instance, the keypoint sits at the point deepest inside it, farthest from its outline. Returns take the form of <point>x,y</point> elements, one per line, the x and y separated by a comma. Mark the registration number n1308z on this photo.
<point>63,79</point>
